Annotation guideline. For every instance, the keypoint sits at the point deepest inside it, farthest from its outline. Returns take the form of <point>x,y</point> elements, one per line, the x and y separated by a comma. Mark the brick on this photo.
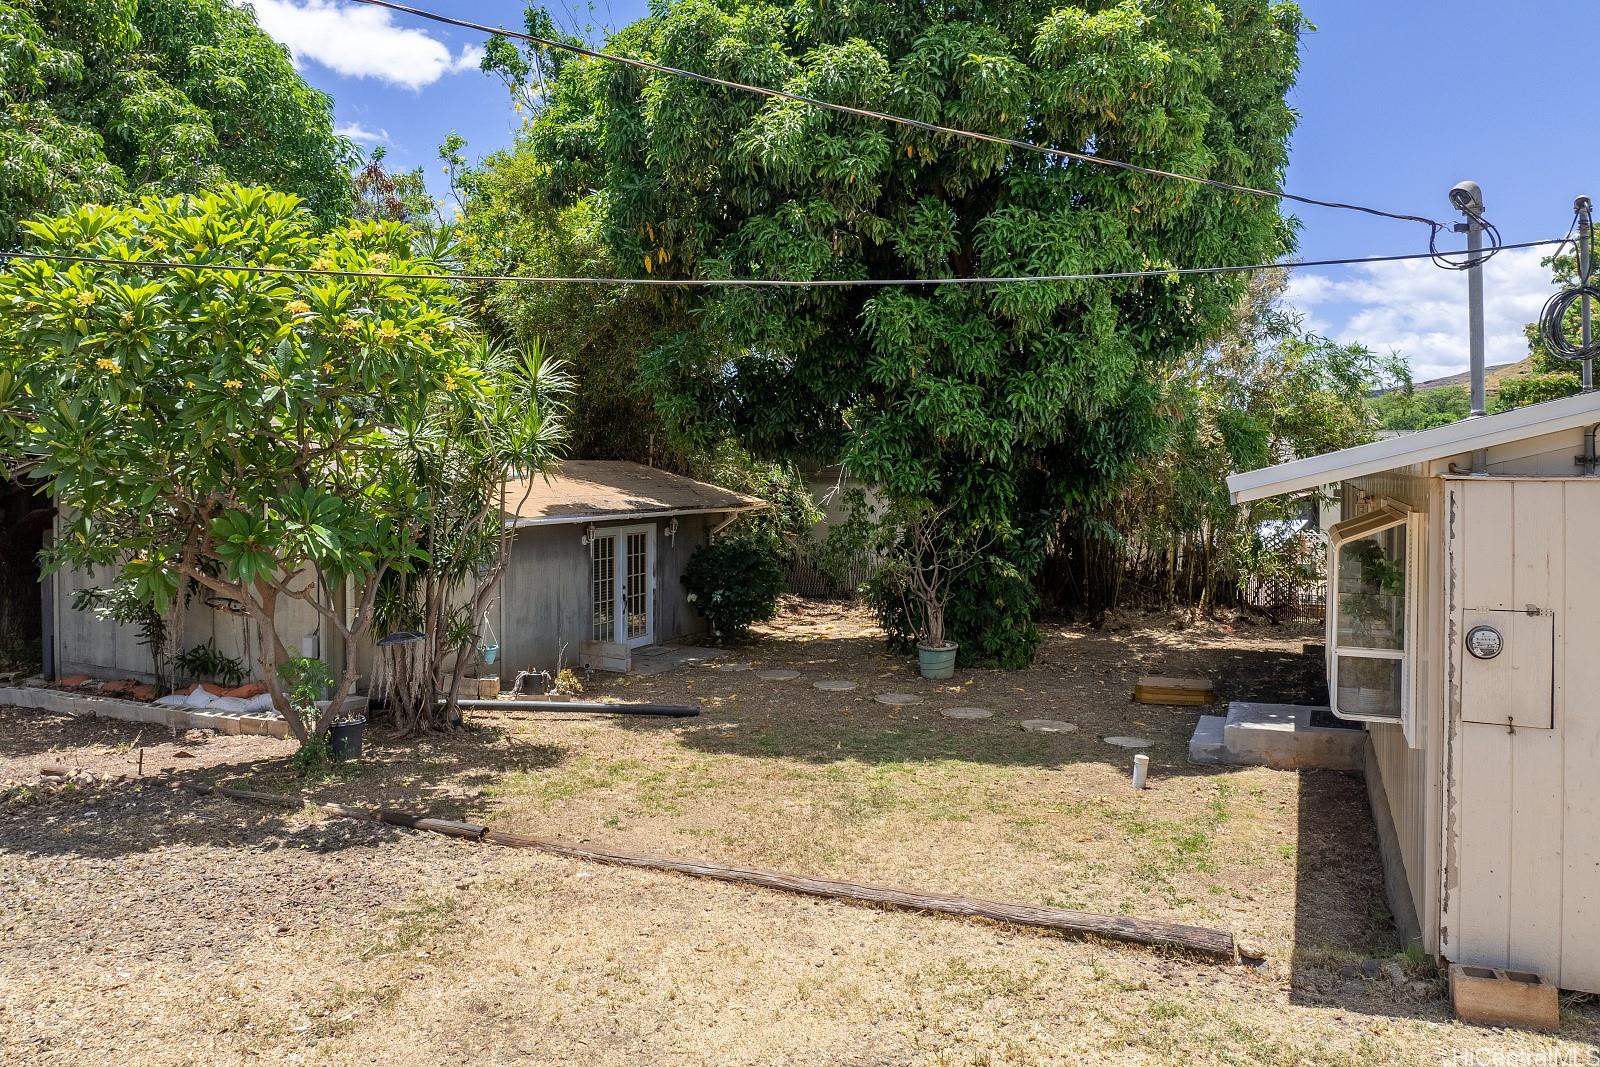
<point>121,687</point>
<point>72,681</point>
<point>1492,996</point>
<point>144,692</point>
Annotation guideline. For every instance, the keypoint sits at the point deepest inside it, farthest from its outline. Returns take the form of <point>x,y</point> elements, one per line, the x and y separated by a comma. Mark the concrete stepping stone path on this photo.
<point>898,699</point>
<point>1049,726</point>
<point>833,685</point>
<point>734,667</point>
<point>1130,742</point>
<point>967,713</point>
<point>778,675</point>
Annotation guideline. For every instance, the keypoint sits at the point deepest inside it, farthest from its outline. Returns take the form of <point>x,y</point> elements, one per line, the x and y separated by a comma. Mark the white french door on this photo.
<point>622,565</point>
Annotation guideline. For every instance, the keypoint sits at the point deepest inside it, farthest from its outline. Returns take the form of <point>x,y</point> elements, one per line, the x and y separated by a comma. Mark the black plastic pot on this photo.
<point>344,739</point>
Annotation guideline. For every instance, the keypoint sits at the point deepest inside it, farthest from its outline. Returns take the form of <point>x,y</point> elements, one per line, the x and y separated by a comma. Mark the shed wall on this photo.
<point>1522,875</point>
<point>546,611</point>
<point>1409,776</point>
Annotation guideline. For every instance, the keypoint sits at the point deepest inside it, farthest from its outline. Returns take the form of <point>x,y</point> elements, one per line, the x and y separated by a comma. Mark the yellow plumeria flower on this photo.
<point>159,244</point>
<point>297,307</point>
<point>449,384</point>
<point>110,366</point>
<point>327,367</point>
<point>380,259</point>
<point>233,383</point>
<point>425,337</point>
<point>85,297</point>
<point>388,333</point>
<point>127,318</point>
<point>322,263</point>
<point>349,327</point>
<point>354,233</point>
<point>189,385</point>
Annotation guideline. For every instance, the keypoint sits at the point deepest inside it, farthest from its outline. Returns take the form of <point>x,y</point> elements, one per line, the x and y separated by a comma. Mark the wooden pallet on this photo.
<point>1188,692</point>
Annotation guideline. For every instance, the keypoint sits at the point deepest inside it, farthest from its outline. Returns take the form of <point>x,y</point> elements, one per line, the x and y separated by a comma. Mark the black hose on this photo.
<point>586,707</point>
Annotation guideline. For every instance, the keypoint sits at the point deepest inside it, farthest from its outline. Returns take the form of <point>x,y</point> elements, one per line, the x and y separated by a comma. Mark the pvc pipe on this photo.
<point>1141,770</point>
<point>588,707</point>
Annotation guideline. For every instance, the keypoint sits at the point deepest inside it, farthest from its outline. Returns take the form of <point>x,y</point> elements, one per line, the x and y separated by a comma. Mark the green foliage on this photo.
<point>1265,392</point>
<point>1535,388</point>
<point>264,436</point>
<point>784,525</point>
<point>305,680</point>
<point>1407,409</point>
<point>104,100</point>
<point>1019,403</point>
<point>207,661</point>
<point>734,583</point>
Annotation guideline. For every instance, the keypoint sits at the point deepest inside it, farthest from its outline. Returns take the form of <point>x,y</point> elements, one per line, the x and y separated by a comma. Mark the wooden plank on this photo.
<point>1214,943</point>
<point>1155,689</point>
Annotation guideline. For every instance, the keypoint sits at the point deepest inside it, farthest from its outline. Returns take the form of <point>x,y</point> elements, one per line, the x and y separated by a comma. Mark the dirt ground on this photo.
<point>148,926</point>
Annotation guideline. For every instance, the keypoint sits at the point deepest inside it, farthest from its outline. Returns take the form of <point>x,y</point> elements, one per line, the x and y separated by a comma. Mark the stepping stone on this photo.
<point>778,676</point>
<point>1049,726</point>
<point>734,667</point>
<point>898,699</point>
<point>967,713</point>
<point>833,685</point>
<point>1130,742</point>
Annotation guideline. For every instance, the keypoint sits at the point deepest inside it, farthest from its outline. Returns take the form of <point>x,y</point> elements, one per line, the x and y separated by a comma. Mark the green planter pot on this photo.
<point>937,661</point>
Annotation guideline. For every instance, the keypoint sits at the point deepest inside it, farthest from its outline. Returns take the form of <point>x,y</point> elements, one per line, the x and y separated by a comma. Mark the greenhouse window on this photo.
<point>1371,616</point>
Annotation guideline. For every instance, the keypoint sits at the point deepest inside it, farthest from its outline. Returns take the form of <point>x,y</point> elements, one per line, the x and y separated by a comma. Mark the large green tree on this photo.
<point>104,99</point>
<point>1017,403</point>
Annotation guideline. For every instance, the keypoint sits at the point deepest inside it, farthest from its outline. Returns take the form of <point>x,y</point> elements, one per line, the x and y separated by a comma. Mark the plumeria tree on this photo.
<point>264,436</point>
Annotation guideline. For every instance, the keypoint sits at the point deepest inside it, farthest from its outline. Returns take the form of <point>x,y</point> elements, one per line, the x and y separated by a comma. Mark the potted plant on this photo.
<point>928,560</point>
<point>307,679</point>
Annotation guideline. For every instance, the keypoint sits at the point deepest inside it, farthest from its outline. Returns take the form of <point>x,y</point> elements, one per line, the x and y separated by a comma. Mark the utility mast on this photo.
<point>1467,198</point>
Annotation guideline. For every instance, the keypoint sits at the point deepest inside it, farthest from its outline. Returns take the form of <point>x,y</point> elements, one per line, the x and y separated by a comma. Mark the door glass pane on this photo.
<point>603,583</point>
<point>1369,688</point>
<point>1372,591</point>
<point>638,598</point>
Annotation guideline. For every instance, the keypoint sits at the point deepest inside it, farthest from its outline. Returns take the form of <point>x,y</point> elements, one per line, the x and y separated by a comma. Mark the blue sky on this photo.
<point>1398,101</point>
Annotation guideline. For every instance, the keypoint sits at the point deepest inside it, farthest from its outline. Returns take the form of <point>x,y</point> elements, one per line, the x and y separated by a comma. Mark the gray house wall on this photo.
<point>545,608</point>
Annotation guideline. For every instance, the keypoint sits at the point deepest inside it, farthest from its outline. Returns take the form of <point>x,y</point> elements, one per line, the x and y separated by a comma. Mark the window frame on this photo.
<point>1386,516</point>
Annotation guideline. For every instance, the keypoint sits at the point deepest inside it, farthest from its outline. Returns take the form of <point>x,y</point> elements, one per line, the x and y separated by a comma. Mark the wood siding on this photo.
<point>545,610</point>
<point>1522,873</point>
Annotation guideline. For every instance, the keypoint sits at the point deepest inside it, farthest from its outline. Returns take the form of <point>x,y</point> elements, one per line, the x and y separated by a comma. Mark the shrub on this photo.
<point>734,584</point>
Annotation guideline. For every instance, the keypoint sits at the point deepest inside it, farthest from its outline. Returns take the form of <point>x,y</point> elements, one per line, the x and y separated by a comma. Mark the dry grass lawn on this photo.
<point>149,929</point>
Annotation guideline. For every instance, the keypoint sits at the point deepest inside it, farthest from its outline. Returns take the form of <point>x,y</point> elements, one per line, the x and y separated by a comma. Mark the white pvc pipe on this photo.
<point>1141,770</point>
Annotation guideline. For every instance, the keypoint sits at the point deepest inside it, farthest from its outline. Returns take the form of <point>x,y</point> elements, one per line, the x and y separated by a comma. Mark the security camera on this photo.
<point>1466,196</point>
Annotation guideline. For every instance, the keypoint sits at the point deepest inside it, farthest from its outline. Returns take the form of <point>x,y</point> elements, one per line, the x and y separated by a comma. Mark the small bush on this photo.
<point>734,584</point>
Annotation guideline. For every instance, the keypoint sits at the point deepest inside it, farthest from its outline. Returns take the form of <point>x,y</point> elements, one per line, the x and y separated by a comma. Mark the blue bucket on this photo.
<point>489,652</point>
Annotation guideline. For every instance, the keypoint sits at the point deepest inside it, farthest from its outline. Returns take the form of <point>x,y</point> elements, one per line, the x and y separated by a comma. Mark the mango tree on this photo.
<point>264,436</point>
<point>1017,404</point>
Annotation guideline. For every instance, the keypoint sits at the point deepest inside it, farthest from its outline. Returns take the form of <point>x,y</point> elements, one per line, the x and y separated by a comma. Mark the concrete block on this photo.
<point>277,728</point>
<point>258,725</point>
<point>1281,736</point>
<point>1492,996</point>
<point>1208,745</point>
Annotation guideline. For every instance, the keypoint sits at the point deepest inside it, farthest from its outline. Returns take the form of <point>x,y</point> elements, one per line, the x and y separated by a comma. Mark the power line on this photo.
<point>1434,225</point>
<point>727,283</point>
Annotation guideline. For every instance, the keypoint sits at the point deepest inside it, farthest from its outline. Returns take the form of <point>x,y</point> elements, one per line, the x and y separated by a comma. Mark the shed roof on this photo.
<point>1468,435</point>
<point>596,490</point>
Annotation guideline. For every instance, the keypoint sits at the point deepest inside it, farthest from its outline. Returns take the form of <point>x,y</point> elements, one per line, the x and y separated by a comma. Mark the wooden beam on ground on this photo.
<point>1215,944</point>
<point>1179,691</point>
<point>1218,944</point>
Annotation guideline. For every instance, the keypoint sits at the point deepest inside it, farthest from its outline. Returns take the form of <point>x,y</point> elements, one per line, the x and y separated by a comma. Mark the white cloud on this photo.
<point>1419,310</point>
<point>361,42</point>
<point>361,135</point>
